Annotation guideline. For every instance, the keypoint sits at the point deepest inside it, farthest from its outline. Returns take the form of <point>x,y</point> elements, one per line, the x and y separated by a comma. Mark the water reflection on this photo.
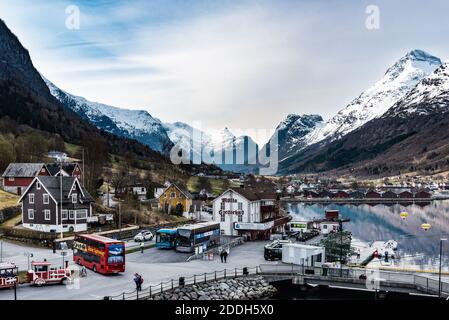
<point>371,222</point>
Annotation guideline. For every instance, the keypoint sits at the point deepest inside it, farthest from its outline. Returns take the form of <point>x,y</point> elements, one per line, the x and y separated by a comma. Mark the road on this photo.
<point>96,286</point>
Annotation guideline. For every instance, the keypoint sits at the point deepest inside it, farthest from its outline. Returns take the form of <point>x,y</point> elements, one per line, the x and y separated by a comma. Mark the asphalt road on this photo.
<point>149,265</point>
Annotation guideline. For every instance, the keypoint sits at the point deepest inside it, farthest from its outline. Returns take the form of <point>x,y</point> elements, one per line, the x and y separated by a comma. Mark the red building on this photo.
<point>18,176</point>
<point>405,195</point>
<point>422,194</point>
<point>341,194</point>
<point>389,195</point>
<point>371,194</point>
<point>66,169</point>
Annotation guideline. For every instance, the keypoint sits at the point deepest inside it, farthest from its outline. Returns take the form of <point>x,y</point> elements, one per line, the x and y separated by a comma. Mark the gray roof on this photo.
<point>52,184</point>
<point>23,170</point>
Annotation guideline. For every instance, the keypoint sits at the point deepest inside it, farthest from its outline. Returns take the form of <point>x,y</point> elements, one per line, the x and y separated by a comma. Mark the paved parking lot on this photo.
<point>149,265</point>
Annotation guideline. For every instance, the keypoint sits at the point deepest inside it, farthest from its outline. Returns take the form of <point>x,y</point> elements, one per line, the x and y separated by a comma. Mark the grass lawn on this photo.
<point>71,149</point>
<point>217,185</point>
<point>8,199</point>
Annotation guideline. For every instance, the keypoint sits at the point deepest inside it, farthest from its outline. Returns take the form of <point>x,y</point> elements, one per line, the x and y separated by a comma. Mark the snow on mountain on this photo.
<point>398,80</point>
<point>134,124</point>
<point>214,141</point>
<point>429,96</point>
<point>292,131</point>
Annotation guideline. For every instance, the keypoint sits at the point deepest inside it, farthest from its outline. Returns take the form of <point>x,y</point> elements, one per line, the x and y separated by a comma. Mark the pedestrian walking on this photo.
<point>141,247</point>
<point>83,272</point>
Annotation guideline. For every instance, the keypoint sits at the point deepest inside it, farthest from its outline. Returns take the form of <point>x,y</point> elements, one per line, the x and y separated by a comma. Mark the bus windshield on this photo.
<point>184,236</point>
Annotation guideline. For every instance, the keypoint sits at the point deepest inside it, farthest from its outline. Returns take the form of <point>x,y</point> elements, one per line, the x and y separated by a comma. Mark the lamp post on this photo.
<point>439,273</point>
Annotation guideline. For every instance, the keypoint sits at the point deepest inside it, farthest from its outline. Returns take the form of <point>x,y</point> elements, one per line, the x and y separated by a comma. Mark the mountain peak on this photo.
<point>421,55</point>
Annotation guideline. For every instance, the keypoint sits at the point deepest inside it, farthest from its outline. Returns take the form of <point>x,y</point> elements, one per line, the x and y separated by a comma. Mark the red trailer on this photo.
<point>42,273</point>
<point>8,275</point>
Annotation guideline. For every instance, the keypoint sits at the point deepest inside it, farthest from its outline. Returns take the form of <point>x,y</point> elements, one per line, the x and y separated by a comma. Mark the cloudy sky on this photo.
<point>240,64</point>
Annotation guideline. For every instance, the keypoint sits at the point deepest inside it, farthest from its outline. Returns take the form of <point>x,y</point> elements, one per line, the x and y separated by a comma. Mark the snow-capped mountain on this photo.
<point>292,131</point>
<point>431,95</point>
<point>398,80</point>
<point>217,143</point>
<point>133,124</point>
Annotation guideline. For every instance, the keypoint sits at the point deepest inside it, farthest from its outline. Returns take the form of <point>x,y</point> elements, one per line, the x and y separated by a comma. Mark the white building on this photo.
<point>245,212</point>
<point>303,255</point>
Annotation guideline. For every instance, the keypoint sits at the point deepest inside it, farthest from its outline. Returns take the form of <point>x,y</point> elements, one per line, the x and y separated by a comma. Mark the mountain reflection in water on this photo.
<point>371,222</point>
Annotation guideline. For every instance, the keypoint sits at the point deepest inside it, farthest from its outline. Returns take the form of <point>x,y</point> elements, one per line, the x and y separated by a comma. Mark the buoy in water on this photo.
<point>426,226</point>
<point>403,215</point>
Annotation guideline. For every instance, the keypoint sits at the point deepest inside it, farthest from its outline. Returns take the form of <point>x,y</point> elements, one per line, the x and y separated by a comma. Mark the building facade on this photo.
<point>42,201</point>
<point>172,196</point>
<point>18,176</point>
<point>244,212</point>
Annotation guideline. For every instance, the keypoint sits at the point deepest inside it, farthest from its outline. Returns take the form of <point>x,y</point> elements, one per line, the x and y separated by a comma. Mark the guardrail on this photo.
<point>151,290</point>
<point>231,244</point>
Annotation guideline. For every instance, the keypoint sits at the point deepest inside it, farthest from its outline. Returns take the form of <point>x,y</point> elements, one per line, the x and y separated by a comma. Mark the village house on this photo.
<point>246,212</point>
<point>59,156</point>
<point>18,176</point>
<point>423,194</point>
<point>137,189</point>
<point>341,194</point>
<point>172,196</point>
<point>42,201</point>
<point>371,194</point>
<point>66,169</point>
<point>389,195</point>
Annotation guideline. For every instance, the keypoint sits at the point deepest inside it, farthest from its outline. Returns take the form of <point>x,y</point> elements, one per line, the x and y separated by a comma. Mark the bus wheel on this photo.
<point>63,281</point>
<point>94,268</point>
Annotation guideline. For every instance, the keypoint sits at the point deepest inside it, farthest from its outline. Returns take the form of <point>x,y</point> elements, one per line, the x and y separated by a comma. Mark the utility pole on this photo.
<point>83,166</point>
<point>120,220</point>
<point>60,206</point>
<point>439,273</point>
<point>341,247</point>
<point>1,250</point>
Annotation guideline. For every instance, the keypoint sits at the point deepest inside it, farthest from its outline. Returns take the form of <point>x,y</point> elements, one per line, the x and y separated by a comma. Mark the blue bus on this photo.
<point>165,238</point>
<point>205,234</point>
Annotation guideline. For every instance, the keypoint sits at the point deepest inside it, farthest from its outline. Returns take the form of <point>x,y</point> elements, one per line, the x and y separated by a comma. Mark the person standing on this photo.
<point>225,255</point>
<point>141,247</point>
<point>138,281</point>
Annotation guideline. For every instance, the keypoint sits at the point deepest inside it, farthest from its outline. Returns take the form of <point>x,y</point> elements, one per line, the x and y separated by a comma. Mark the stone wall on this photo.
<point>246,288</point>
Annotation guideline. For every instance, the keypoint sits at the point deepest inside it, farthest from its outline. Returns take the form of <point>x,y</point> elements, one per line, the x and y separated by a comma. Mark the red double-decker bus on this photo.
<point>101,254</point>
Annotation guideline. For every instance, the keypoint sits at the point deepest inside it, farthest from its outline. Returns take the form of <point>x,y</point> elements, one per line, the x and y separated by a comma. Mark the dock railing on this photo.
<point>423,283</point>
<point>164,286</point>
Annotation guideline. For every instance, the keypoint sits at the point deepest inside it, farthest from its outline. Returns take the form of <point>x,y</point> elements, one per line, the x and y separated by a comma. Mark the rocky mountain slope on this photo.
<point>413,135</point>
<point>132,124</point>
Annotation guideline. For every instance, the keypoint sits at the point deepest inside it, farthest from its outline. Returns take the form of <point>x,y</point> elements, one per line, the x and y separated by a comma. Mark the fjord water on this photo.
<point>417,249</point>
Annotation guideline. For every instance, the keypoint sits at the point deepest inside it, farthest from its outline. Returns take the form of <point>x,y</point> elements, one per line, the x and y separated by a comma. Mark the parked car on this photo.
<point>273,251</point>
<point>144,236</point>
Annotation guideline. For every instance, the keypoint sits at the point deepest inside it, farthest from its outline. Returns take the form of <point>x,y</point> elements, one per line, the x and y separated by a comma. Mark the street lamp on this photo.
<point>439,274</point>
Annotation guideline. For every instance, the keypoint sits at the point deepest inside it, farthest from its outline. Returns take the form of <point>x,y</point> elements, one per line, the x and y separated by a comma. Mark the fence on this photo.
<point>162,287</point>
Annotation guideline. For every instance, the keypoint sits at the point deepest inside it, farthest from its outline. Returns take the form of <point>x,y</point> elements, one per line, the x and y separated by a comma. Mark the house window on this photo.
<point>240,205</point>
<point>74,198</point>
<point>71,214</point>
<point>46,198</point>
<point>38,186</point>
<point>30,214</point>
<point>81,214</point>
<point>173,195</point>
<point>222,218</point>
<point>11,179</point>
<point>31,198</point>
<point>240,217</point>
<point>222,206</point>
<point>47,214</point>
<point>64,214</point>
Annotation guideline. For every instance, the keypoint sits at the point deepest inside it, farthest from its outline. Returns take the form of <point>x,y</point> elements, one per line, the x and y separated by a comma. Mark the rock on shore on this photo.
<point>246,288</point>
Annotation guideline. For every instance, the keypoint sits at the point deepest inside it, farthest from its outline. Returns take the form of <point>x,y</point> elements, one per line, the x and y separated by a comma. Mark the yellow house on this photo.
<point>172,196</point>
